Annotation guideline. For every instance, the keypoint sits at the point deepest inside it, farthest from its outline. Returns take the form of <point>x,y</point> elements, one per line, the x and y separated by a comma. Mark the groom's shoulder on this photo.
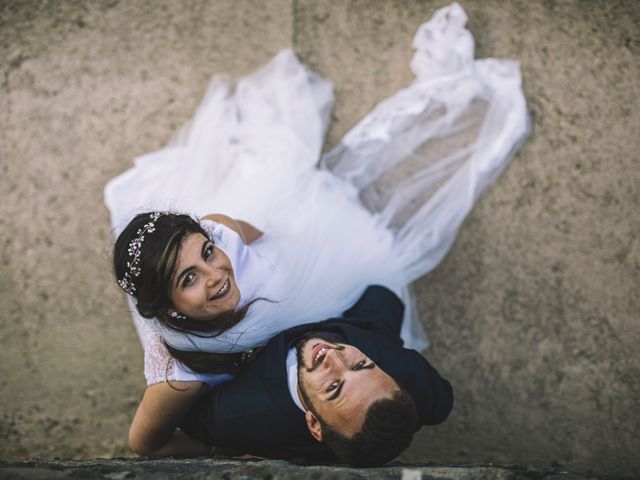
<point>378,310</point>
<point>377,296</point>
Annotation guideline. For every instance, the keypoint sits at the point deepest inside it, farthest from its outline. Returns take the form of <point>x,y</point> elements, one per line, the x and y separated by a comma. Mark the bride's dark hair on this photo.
<point>157,261</point>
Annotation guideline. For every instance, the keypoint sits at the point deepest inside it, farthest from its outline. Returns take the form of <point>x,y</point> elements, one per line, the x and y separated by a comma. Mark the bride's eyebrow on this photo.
<point>188,269</point>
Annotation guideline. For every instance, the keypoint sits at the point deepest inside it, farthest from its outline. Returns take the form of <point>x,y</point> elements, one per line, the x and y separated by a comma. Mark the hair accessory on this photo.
<point>178,316</point>
<point>135,249</point>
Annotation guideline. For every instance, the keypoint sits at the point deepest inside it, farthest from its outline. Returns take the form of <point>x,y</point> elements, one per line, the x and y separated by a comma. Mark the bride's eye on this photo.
<point>208,252</point>
<point>188,278</point>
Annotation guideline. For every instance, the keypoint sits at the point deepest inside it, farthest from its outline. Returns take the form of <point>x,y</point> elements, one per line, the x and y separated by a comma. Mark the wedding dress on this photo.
<point>381,207</point>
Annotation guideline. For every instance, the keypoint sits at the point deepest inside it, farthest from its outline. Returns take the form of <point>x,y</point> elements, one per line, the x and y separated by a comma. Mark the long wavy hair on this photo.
<point>157,263</point>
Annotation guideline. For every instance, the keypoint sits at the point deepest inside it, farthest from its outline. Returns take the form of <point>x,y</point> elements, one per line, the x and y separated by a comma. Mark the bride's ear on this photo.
<point>175,315</point>
<point>313,424</point>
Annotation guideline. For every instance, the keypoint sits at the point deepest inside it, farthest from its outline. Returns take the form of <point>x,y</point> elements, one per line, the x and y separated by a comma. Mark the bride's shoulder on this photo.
<point>247,232</point>
<point>225,235</point>
<point>226,221</point>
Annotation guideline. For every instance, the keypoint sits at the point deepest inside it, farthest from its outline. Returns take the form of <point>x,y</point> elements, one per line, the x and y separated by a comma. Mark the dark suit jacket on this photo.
<point>255,413</point>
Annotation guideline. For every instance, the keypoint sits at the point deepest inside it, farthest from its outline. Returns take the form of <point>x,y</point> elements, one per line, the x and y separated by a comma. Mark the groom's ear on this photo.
<point>313,424</point>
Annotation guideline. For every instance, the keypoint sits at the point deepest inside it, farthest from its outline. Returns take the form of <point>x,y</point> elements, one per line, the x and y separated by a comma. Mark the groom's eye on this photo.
<point>360,365</point>
<point>333,386</point>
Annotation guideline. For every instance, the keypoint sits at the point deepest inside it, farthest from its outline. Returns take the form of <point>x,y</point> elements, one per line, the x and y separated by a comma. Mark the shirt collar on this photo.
<point>292,377</point>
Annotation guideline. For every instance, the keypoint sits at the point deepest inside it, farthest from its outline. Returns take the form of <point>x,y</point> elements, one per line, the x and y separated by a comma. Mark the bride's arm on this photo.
<point>154,428</point>
<point>247,232</point>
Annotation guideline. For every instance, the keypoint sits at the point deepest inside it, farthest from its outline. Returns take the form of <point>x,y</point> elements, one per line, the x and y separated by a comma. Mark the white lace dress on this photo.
<point>382,207</point>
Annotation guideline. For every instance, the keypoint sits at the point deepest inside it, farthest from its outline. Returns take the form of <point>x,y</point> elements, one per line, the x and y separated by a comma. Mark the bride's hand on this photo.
<point>248,233</point>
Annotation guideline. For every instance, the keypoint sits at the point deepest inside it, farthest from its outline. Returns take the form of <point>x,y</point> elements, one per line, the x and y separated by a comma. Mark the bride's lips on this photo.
<point>319,350</point>
<point>224,290</point>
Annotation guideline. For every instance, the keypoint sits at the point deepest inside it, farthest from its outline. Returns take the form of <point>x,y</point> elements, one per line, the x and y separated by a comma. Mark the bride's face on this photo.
<point>203,285</point>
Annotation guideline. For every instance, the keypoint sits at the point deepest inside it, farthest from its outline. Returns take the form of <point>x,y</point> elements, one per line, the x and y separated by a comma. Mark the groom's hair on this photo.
<point>386,432</point>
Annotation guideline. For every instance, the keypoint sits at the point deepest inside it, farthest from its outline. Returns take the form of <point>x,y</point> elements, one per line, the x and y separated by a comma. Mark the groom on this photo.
<point>343,387</point>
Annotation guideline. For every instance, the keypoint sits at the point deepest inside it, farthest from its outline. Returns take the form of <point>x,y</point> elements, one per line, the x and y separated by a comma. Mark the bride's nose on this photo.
<point>214,276</point>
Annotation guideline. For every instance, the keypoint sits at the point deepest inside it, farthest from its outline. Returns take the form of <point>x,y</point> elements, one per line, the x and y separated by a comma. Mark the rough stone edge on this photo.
<point>141,468</point>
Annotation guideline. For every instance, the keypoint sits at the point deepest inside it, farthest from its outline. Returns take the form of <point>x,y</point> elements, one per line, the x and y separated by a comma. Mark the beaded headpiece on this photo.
<point>135,249</point>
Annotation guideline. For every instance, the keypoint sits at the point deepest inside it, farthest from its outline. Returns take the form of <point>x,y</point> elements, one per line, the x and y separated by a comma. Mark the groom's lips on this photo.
<point>316,349</point>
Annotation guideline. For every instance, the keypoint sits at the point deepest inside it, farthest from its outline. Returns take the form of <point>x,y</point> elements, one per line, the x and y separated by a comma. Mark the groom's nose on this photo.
<point>333,359</point>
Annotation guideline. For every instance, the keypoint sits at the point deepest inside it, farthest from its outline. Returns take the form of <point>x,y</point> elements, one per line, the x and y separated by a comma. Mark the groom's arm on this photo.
<point>379,310</point>
<point>433,394</point>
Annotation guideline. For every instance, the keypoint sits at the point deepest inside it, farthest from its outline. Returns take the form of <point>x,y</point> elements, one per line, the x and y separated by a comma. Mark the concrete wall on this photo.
<point>534,313</point>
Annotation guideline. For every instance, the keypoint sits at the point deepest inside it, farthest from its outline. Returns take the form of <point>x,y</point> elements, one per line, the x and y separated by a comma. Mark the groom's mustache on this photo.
<point>318,361</point>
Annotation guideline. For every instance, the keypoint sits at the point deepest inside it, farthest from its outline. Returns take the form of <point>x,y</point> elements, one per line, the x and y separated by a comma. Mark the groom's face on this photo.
<point>338,383</point>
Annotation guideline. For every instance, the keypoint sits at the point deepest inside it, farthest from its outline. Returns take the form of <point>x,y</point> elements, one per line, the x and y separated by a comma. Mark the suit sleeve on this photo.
<point>381,310</point>
<point>199,422</point>
<point>433,395</point>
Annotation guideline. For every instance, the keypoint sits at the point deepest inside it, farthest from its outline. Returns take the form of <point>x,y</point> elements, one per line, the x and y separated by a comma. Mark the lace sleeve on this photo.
<point>159,366</point>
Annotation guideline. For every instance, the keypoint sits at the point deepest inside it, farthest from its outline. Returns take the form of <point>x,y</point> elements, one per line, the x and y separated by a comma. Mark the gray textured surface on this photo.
<point>534,313</point>
<point>232,469</point>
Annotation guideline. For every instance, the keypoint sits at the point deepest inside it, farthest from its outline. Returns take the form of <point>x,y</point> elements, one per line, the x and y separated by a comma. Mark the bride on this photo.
<point>382,207</point>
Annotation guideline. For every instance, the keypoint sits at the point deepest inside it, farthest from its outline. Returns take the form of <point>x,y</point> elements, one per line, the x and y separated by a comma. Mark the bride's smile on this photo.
<point>223,291</point>
<point>204,283</point>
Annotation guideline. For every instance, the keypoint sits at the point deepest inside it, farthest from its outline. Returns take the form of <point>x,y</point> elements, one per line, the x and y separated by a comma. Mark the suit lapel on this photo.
<point>275,374</point>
